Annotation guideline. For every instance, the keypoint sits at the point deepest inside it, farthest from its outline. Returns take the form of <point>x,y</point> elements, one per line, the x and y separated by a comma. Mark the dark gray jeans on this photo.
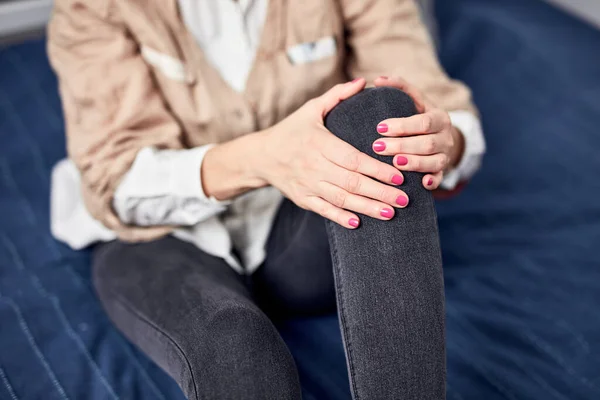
<point>208,327</point>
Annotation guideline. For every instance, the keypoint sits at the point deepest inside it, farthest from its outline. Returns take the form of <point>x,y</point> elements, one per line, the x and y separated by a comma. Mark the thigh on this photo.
<point>194,316</point>
<point>297,276</point>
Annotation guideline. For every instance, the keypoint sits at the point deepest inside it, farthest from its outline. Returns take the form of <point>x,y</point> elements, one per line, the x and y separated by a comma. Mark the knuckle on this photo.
<point>352,183</point>
<point>416,164</point>
<point>384,194</point>
<point>323,210</point>
<point>303,204</point>
<point>430,144</point>
<point>383,172</point>
<point>352,160</point>
<point>426,122</point>
<point>443,162</point>
<point>340,198</point>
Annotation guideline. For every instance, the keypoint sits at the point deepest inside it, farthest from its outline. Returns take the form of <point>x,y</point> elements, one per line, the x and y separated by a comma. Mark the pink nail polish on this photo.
<point>353,222</point>
<point>382,128</point>
<point>379,146</point>
<point>386,213</point>
<point>430,182</point>
<point>356,80</point>
<point>402,201</point>
<point>400,160</point>
<point>397,180</point>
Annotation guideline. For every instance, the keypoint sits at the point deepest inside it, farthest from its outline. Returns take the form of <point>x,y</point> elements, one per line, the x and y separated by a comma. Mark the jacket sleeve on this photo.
<point>112,108</point>
<point>388,37</point>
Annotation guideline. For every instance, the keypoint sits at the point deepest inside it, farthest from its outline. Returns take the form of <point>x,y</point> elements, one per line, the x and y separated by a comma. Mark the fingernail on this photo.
<point>353,222</point>
<point>356,80</point>
<point>430,182</point>
<point>397,180</point>
<point>402,201</point>
<point>382,128</point>
<point>386,213</point>
<point>400,160</point>
<point>379,146</point>
<point>383,77</point>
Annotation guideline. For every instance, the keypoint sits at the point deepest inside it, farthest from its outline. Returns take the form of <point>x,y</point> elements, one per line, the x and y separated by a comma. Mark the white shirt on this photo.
<point>228,32</point>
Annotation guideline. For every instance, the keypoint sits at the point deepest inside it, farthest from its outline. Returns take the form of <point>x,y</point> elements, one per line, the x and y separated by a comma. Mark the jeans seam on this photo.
<point>342,313</point>
<point>124,304</point>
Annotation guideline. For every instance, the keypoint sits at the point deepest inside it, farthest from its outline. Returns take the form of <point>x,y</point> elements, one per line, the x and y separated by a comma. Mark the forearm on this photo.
<point>232,168</point>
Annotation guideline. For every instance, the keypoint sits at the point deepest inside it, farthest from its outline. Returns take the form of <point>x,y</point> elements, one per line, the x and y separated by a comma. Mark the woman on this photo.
<point>192,119</point>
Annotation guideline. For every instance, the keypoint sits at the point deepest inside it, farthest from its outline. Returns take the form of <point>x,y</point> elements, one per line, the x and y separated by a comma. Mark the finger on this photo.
<point>421,102</point>
<point>431,122</point>
<point>431,164</point>
<point>349,158</point>
<point>358,184</point>
<point>333,213</point>
<point>433,181</point>
<point>352,202</point>
<point>340,92</point>
<point>420,145</point>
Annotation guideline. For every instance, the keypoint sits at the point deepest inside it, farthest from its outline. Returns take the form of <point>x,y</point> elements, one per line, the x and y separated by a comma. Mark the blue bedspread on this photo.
<point>521,244</point>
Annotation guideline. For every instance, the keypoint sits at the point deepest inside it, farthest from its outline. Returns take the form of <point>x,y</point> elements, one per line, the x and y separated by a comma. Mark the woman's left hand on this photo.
<point>426,142</point>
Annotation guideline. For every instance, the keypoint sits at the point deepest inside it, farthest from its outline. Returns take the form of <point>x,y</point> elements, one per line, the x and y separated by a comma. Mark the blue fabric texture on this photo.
<point>522,270</point>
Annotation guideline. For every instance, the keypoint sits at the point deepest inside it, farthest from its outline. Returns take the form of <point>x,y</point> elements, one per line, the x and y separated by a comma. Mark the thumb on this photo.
<point>339,92</point>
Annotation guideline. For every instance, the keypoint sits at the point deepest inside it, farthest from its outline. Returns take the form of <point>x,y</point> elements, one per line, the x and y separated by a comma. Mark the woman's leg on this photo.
<point>193,315</point>
<point>296,278</point>
<point>388,274</point>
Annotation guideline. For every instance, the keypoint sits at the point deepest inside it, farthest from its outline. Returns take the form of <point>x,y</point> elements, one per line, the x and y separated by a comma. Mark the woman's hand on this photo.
<point>426,142</point>
<point>324,174</point>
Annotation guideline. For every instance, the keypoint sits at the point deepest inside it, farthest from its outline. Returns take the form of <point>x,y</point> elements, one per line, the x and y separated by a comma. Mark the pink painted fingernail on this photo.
<point>386,213</point>
<point>353,222</point>
<point>400,160</point>
<point>402,201</point>
<point>397,180</point>
<point>356,80</point>
<point>382,128</point>
<point>430,182</point>
<point>379,146</point>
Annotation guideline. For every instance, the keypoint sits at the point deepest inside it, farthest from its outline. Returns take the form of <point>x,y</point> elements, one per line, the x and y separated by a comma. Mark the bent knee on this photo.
<point>355,120</point>
<point>240,354</point>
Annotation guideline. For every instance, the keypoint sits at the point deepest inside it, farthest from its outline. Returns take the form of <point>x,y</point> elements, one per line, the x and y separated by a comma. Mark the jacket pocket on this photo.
<point>304,53</point>
<point>170,67</point>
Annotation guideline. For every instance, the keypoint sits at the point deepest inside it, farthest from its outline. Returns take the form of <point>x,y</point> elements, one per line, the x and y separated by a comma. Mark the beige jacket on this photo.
<point>132,76</point>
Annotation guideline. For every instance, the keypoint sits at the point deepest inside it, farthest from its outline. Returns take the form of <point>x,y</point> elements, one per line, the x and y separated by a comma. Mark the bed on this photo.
<point>520,244</point>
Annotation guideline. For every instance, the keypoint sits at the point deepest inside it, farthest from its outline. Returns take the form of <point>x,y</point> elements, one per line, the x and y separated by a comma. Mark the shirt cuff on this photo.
<point>470,127</point>
<point>164,187</point>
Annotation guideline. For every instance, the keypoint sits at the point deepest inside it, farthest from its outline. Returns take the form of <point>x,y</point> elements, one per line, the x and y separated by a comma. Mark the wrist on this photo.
<point>231,169</point>
<point>458,149</point>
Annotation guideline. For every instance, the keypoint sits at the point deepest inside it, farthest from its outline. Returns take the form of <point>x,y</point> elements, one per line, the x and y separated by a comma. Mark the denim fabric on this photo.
<point>296,279</point>
<point>519,244</point>
<point>388,275</point>
<point>194,316</point>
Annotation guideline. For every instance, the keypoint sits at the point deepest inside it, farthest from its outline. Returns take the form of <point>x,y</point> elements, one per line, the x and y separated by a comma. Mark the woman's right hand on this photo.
<point>324,174</point>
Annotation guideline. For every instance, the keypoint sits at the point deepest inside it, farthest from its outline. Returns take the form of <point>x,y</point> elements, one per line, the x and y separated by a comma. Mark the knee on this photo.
<point>355,120</point>
<point>239,354</point>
